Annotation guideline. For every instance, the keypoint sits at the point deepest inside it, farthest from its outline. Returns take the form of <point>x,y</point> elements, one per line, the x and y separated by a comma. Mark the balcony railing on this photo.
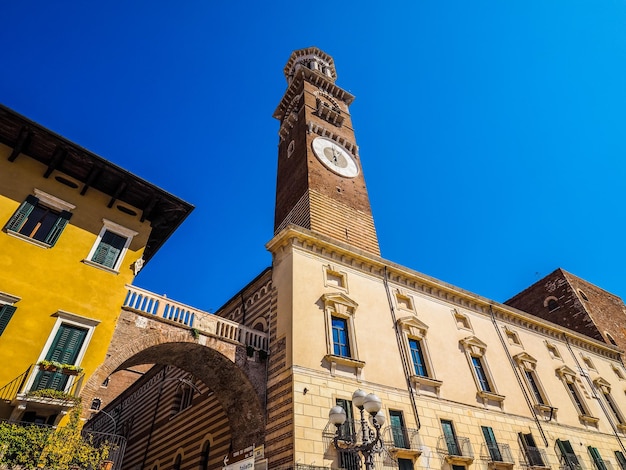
<point>497,453</point>
<point>570,462</point>
<point>455,448</point>
<point>401,438</point>
<point>43,387</point>
<point>534,457</point>
<point>161,308</point>
<point>115,444</point>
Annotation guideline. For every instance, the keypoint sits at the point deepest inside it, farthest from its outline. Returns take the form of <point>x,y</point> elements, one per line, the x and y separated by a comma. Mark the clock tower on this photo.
<point>320,184</point>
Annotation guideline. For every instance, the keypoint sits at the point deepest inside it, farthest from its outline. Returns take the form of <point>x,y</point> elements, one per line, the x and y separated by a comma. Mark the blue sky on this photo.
<point>491,133</point>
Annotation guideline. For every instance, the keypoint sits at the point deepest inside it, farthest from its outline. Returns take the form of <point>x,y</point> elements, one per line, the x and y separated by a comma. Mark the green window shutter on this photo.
<point>450,437</point>
<point>621,460</point>
<point>6,312</point>
<point>109,249</point>
<point>568,454</point>
<point>21,215</point>
<point>597,459</point>
<point>58,227</point>
<point>64,349</point>
<point>492,444</point>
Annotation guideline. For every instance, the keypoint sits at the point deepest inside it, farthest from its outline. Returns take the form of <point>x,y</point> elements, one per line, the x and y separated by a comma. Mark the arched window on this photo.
<point>204,456</point>
<point>177,462</point>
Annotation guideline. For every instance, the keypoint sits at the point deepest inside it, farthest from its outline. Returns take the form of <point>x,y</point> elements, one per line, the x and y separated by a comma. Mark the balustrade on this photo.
<point>163,309</point>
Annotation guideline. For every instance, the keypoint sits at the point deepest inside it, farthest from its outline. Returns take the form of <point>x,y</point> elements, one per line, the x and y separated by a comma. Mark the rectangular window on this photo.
<point>109,249</point>
<point>492,445</point>
<point>64,349</point>
<point>405,464</point>
<point>532,383</point>
<point>597,460</point>
<point>417,356</point>
<point>348,460</point>
<point>568,457</point>
<point>480,374</point>
<point>185,398</point>
<point>6,312</point>
<point>613,406</point>
<point>531,451</point>
<point>38,221</point>
<point>574,394</point>
<point>621,460</point>
<point>450,437</point>
<point>398,431</point>
<point>341,344</point>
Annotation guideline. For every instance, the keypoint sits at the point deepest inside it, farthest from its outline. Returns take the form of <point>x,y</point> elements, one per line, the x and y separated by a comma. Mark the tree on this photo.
<point>31,447</point>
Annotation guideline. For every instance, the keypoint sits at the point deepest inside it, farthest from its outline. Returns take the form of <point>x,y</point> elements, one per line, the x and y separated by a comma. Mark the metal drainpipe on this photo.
<point>593,389</point>
<point>519,380</point>
<point>403,357</point>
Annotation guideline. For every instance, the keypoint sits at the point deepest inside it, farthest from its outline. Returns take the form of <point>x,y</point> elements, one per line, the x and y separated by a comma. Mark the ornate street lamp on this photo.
<point>369,443</point>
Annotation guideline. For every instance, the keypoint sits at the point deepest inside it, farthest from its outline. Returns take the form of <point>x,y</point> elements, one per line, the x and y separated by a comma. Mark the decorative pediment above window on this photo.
<point>525,361</point>
<point>567,374</point>
<point>602,385</point>
<point>8,298</point>
<point>340,304</point>
<point>413,326</point>
<point>474,346</point>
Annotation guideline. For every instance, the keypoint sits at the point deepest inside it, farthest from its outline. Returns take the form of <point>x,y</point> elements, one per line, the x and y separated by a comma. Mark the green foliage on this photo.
<point>50,364</point>
<point>52,393</point>
<point>22,445</point>
<point>33,447</point>
<point>59,366</point>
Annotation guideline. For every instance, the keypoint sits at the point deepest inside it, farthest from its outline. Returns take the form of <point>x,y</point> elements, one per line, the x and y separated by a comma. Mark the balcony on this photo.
<point>534,458</point>
<point>162,309</point>
<point>569,461</point>
<point>42,396</point>
<point>497,456</point>
<point>402,442</point>
<point>352,433</point>
<point>455,450</point>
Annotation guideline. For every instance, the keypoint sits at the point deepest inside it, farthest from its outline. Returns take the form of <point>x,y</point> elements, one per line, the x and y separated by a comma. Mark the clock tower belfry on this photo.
<point>320,184</point>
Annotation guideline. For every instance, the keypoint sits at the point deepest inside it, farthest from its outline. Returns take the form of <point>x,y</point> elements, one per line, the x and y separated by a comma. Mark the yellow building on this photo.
<point>76,231</point>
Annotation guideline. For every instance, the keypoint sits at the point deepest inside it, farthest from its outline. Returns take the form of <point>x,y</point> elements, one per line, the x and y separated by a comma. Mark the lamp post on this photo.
<point>369,443</point>
<point>112,419</point>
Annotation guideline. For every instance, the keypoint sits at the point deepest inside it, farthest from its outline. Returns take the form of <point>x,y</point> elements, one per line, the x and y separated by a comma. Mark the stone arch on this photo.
<point>217,364</point>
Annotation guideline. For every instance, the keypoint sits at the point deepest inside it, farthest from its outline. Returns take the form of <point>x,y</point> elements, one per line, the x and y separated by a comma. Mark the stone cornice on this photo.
<point>316,78</point>
<point>294,237</point>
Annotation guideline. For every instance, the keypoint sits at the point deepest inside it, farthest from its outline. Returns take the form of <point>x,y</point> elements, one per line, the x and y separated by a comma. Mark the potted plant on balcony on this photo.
<point>49,366</point>
<point>71,369</point>
<point>53,394</point>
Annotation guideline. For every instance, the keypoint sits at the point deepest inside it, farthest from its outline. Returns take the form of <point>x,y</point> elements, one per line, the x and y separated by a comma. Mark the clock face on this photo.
<point>335,157</point>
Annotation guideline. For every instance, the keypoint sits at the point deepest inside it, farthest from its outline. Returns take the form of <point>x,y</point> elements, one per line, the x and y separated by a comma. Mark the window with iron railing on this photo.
<point>492,445</point>
<point>533,456</point>
<point>568,457</point>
